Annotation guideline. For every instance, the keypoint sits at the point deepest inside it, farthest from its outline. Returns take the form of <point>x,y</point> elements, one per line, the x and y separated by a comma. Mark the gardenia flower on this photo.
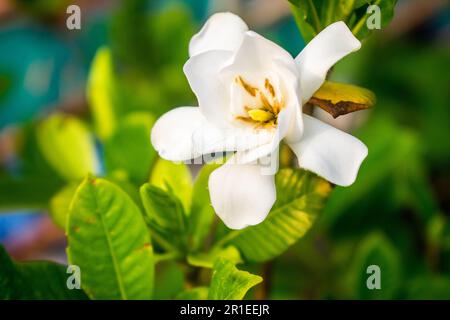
<point>250,93</point>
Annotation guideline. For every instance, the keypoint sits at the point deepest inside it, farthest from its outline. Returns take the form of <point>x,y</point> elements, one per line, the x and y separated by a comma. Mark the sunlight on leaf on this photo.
<point>68,146</point>
<point>109,241</point>
<point>339,98</point>
<point>229,283</point>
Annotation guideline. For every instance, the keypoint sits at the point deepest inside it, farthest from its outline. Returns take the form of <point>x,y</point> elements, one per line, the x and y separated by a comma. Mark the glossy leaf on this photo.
<point>229,283</point>
<point>129,149</point>
<point>300,198</point>
<point>339,98</point>
<point>34,280</point>
<point>67,145</point>
<point>59,204</point>
<point>108,240</point>
<point>312,16</point>
<point>165,214</point>
<point>207,260</point>
<point>100,93</point>
<point>201,213</point>
<point>174,177</point>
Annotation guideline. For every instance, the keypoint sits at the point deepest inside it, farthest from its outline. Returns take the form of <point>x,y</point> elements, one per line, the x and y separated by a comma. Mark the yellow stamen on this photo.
<point>251,90</point>
<point>269,88</point>
<point>260,115</point>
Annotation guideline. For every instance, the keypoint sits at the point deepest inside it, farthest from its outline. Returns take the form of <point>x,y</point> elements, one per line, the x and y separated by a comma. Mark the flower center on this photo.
<point>265,115</point>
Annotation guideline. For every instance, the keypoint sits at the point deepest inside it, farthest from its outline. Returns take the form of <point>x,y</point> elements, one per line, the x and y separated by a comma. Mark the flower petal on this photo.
<point>172,134</point>
<point>222,31</point>
<point>328,47</point>
<point>202,72</point>
<point>184,133</point>
<point>240,194</point>
<point>257,55</point>
<point>329,152</point>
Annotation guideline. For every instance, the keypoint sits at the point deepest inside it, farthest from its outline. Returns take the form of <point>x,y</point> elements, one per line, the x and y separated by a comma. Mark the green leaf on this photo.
<point>302,13</point>
<point>339,98</point>
<point>67,145</point>
<point>300,198</point>
<point>59,204</point>
<point>207,260</point>
<point>429,287</point>
<point>165,214</point>
<point>359,27</point>
<point>199,293</point>
<point>312,16</point>
<point>229,283</point>
<point>34,280</point>
<point>201,213</point>
<point>173,177</point>
<point>100,91</point>
<point>375,249</point>
<point>129,149</point>
<point>108,240</point>
<point>170,280</point>
<point>37,182</point>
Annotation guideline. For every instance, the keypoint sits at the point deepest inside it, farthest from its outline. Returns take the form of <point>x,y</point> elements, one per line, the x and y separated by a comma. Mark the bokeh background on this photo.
<point>396,215</point>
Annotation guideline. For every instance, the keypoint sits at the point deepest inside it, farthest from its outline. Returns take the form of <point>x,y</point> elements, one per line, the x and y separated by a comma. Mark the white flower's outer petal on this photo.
<point>202,72</point>
<point>328,47</point>
<point>172,134</point>
<point>184,133</point>
<point>240,194</point>
<point>222,31</point>
<point>329,152</point>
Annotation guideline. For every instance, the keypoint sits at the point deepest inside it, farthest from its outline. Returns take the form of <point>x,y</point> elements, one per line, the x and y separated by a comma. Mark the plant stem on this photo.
<point>167,256</point>
<point>163,243</point>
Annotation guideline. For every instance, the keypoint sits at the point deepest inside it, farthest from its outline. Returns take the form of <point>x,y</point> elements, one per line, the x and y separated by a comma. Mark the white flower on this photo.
<point>250,93</point>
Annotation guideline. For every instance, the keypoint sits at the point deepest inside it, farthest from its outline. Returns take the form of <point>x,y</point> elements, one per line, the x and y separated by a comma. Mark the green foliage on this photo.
<point>376,250</point>
<point>34,280</point>
<point>199,293</point>
<point>36,184</point>
<point>129,149</point>
<point>229,283</point>
<point>429,287</point>
<point>314,16</point>
<point>175,178</point>
<point>202,213</point>
<point>67,145</point>
<point>170,280</point>
<point>300,199</point>
<point>60,203</point>
<point>108,240</point>
<point>101,93</point>
<point>207,260</point>
<point>165,214</point>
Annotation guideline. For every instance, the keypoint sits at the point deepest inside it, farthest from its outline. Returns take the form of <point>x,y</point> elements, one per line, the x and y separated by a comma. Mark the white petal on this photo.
<point>172,134</point>
<point>328,47</point>
<point>202,72</point>
<point>222,31</point>
<point>241,194</point>
<point>329,152</point>
<point>257,55</point>
<point>184,133</point>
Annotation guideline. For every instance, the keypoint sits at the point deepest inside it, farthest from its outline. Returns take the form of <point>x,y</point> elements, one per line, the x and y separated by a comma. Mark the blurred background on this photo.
<point>396,215</point>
